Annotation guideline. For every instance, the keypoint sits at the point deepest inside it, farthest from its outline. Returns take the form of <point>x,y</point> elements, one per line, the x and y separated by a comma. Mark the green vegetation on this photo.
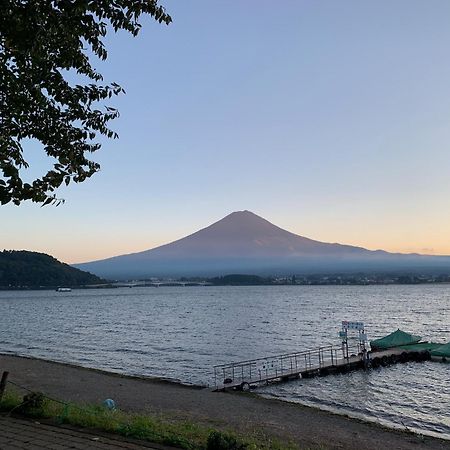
<point>30,269</point>
<point>240,280</point>
<point>359,279</point>
<point>157,429</point>
<point>42,44</point>
<point>221,441</point>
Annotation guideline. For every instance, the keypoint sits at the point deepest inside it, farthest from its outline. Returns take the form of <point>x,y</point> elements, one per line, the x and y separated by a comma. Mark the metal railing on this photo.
<point>265,369</point>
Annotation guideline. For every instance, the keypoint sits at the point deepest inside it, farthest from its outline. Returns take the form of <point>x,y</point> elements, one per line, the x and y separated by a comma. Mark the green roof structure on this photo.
<point>396,339</point>
<point>443,350</point>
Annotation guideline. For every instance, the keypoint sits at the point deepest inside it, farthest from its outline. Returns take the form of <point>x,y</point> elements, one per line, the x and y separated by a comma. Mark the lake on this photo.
<point>181,332</point>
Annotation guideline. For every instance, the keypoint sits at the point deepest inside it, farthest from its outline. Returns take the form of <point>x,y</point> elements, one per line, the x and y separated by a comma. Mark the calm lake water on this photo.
<point>180,333</point>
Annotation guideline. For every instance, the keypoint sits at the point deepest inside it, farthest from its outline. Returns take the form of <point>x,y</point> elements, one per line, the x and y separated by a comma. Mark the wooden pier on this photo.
<point>310,363</point>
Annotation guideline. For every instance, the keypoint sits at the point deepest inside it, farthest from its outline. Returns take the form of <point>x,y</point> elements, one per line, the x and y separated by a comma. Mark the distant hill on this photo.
<point>31,269</point>
<point>243,242</point>
<point>240,280</point>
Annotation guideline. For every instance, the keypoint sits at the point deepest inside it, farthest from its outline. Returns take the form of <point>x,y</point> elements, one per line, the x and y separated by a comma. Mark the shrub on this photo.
<point>32,403</point>
<point>221,441</point>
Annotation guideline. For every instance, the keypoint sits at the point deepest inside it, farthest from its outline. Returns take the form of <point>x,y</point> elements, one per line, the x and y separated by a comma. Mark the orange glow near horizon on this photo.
<point>106,249</point>
<point>329,121</point>
<point>71,257</point>
<point>87,242</point>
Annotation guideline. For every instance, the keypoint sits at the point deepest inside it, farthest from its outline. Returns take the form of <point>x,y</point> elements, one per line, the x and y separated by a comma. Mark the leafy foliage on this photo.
<point>31,269</point>
<point>218,440</point>
<point>41,41</point>
<point>32,403</point>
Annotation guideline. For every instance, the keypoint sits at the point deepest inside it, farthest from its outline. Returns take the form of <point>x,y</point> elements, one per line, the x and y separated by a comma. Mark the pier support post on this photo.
<point>3,384</point>
<point>366,359</point>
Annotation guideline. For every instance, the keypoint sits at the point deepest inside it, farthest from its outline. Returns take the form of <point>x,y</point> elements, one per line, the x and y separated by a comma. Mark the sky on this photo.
<point>330,119</point>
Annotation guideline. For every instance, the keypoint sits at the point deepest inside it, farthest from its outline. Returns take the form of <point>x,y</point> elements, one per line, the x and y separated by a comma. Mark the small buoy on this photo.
<point>110,404</point>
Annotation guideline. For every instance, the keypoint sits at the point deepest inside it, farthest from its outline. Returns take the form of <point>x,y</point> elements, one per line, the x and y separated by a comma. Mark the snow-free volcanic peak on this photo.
<point>243,242</point>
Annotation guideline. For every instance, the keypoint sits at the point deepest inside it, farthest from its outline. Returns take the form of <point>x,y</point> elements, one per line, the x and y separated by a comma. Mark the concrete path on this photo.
<point>31,435</point>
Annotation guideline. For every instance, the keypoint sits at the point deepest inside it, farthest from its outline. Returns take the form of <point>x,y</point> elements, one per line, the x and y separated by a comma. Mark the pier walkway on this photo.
<point>396,347</point>
<point>310,363</point>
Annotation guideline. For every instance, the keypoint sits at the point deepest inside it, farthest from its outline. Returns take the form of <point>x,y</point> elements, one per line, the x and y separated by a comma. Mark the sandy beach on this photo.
<point>308,427</point>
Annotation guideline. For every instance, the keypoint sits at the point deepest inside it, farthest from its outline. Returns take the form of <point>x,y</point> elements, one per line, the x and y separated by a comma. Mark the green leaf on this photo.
<point>39,42</point>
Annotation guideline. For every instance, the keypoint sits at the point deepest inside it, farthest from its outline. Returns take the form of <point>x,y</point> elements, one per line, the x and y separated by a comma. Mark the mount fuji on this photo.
<point>243,242</point>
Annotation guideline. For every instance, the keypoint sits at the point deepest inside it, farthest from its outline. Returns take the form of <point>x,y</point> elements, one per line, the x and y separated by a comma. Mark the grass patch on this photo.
<point>182,434</point>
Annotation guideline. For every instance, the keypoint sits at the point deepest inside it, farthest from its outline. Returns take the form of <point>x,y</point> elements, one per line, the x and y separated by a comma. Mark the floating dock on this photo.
<point>305,364</point>
<point>321,361</point>
<point>310,363</point>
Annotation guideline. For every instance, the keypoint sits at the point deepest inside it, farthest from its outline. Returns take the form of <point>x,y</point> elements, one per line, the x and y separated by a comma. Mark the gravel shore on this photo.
<point>309,427</point>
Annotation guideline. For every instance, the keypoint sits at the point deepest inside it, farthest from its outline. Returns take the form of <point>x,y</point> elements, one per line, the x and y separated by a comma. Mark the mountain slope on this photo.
<point>245,242</point>
<point>31,269</point>
<point>245,234</point>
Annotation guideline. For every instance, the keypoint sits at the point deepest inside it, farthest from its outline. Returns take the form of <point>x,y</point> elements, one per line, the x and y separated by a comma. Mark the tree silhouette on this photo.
<point>41,42</point>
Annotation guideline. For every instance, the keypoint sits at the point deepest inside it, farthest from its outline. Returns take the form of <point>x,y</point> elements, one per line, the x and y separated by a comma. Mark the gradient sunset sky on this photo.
<point>328,118</point>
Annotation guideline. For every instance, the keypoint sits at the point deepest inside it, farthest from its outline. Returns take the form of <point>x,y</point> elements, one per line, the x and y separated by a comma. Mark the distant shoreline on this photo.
<point>206,285</point>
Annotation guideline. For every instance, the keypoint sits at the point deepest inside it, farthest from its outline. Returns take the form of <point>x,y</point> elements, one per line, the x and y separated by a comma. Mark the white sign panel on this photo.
<point>346,325</point>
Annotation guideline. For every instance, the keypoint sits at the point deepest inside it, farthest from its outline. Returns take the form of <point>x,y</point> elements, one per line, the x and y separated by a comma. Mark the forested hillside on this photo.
<point>31,269</point>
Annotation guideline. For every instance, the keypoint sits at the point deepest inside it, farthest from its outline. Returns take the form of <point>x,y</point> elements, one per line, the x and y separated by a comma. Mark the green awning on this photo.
<point>443,350</point>
<point>395,339</point>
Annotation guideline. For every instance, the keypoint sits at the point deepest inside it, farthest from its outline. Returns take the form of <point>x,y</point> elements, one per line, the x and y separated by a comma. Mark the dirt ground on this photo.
<point>309,427</point>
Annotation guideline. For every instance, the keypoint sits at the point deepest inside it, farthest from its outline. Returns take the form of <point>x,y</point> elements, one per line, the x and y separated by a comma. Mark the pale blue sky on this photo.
<point>328,118</point>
